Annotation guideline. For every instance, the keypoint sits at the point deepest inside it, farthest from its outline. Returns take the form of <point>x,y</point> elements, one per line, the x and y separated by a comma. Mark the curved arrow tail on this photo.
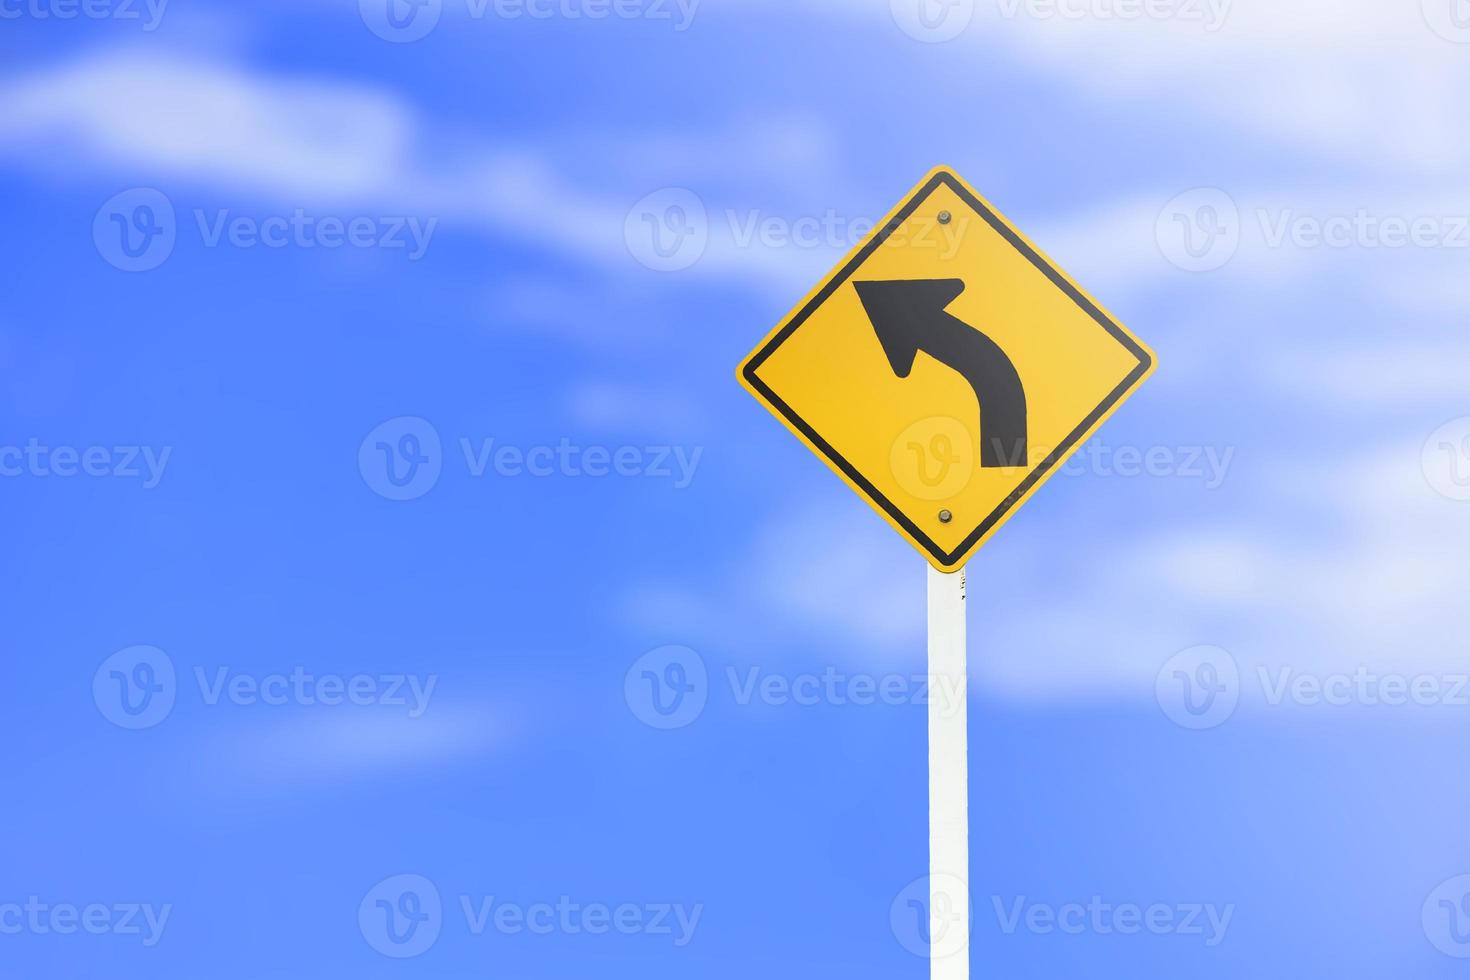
<point>997,388</point>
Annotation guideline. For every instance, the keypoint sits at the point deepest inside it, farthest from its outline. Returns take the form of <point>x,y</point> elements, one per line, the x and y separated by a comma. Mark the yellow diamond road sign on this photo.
<point>946,369</point>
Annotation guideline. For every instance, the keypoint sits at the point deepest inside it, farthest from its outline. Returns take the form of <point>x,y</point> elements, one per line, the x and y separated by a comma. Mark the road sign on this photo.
<point>946,369</point>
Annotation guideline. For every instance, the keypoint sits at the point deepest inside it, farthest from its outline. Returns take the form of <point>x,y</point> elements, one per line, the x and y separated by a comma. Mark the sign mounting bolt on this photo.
<point>945,217</point>
<point>945,517</point>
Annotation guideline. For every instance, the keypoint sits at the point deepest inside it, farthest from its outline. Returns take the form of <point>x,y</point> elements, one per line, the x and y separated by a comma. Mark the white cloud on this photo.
<point>341,744</point>
<point>1113,244</point>
<point>214,124</point>
<point>312,144</point>
<point>1362,77</point>
<point>838,569</point>
<point>296,142</point>
<point>1369,83</point>
<point>648,412</point>
<point>1393,374</point>
<point>828,576</point>
<point>1376,588</point>
<point>1362,90</point>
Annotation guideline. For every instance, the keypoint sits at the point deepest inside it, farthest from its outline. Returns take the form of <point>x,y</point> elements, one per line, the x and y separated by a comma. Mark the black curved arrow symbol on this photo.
<point>908,316</point>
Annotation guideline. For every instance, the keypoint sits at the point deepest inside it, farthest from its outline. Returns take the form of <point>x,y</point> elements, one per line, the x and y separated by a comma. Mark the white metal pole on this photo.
<point>949,819</point>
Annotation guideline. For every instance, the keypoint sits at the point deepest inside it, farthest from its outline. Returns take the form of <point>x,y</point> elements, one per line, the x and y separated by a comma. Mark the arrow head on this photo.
<point>902,312</point>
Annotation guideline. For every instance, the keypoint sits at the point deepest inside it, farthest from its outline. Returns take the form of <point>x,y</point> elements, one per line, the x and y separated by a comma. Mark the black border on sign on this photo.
<point>948,559</point>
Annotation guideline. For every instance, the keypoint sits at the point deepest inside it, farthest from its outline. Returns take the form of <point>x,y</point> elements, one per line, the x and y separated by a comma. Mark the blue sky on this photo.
<point>348,248</point>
